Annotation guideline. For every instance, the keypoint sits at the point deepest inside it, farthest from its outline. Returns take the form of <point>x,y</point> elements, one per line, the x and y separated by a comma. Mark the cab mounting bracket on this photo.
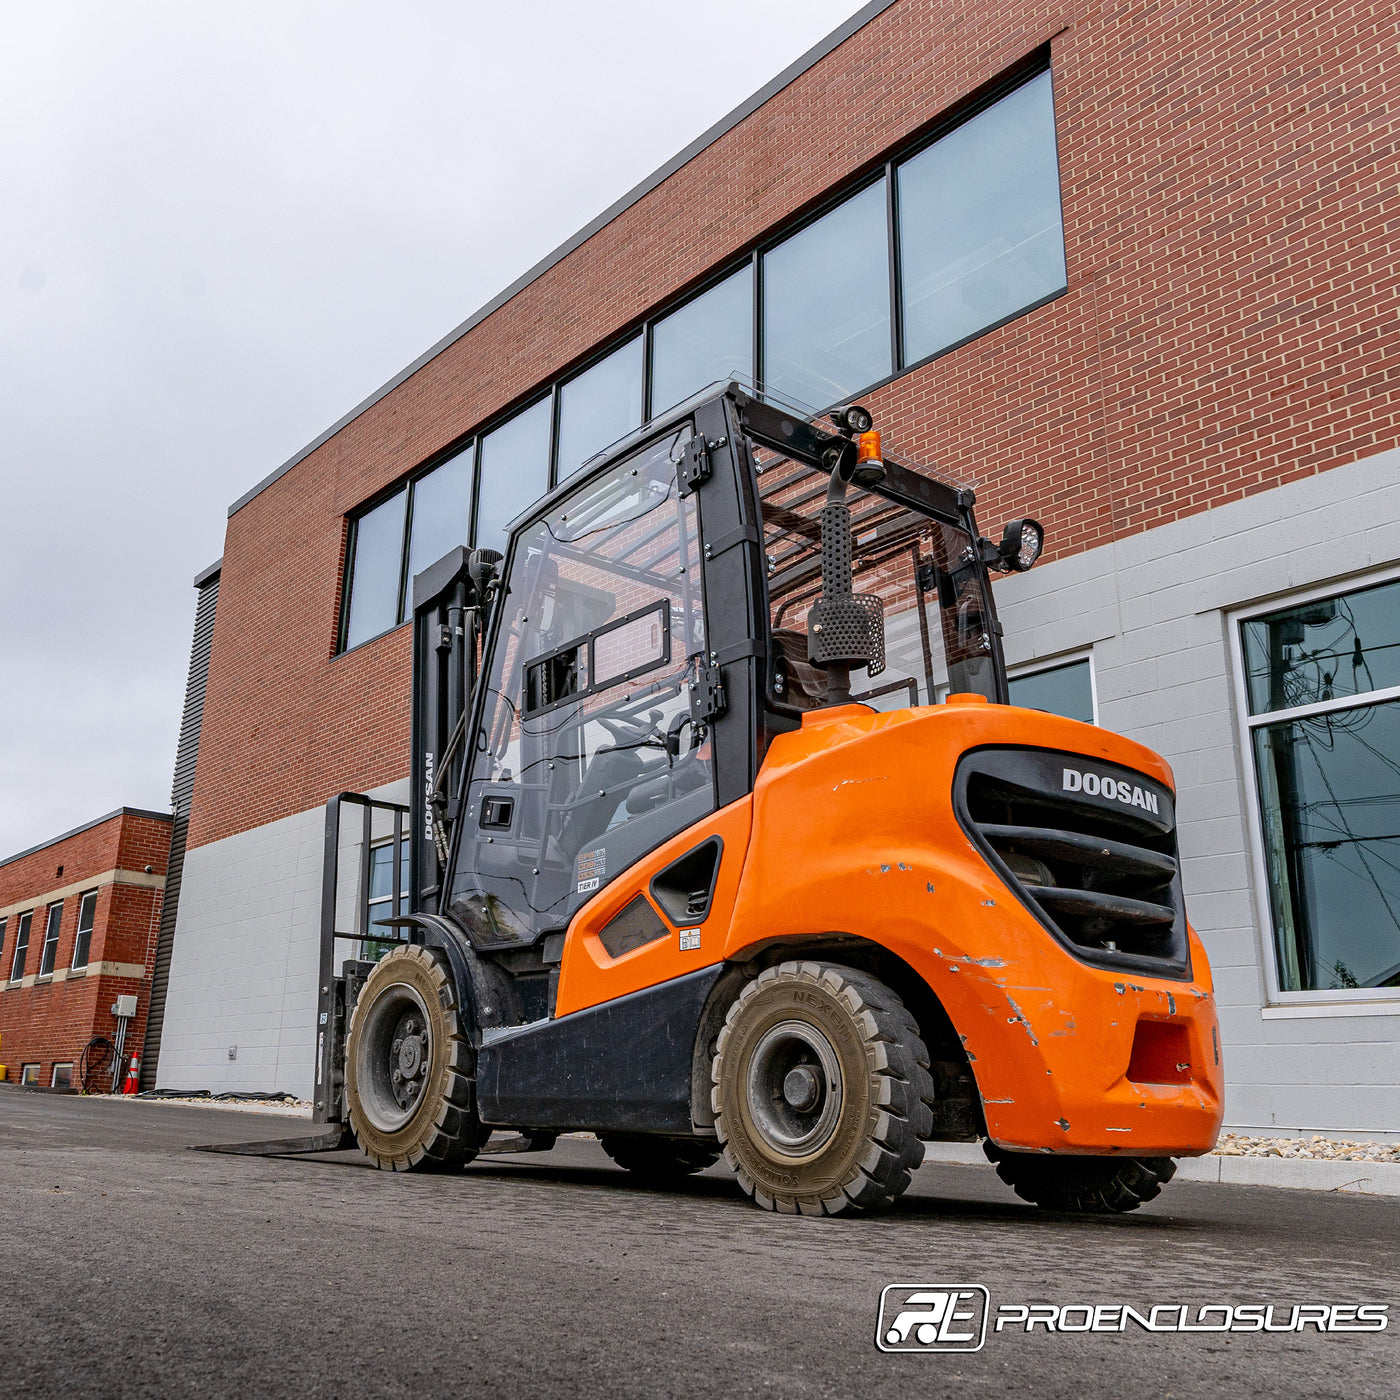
<point>707,695</point>
<point>695,467</point>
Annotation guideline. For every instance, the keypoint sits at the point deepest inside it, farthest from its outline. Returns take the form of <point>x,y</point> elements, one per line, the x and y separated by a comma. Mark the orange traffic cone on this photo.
<point>132,1075</point>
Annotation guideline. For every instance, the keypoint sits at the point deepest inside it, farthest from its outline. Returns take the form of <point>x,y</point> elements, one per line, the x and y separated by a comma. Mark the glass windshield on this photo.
<point>586,756</point>
<point>924,571</point>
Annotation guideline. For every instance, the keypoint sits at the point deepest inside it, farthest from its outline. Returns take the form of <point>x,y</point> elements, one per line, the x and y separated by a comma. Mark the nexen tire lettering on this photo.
<point>1095,785</point>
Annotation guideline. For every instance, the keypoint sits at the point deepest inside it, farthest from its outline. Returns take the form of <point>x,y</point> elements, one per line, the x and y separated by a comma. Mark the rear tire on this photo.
<point>822,1091</point>
<point>658,1159</point>
<point>409,1068</point>
<point>1084,1185</point>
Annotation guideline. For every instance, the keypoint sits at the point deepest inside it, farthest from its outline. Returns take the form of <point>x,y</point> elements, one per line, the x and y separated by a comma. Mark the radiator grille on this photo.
<point>1089,848</point>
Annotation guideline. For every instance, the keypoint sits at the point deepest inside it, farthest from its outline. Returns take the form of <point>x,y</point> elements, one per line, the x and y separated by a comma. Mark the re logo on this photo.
<point>932,1317</point>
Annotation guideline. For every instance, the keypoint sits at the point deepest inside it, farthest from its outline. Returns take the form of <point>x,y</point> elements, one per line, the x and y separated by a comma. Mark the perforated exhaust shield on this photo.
<point>844,626</point>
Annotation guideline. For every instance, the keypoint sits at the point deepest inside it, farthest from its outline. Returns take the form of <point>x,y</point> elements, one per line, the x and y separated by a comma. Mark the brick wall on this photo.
<point>1229,177</point>
<point>49,1021</point>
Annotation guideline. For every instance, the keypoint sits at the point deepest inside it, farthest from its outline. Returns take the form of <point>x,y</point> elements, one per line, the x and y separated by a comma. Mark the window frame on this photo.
<point>29,1074</point>
<point>23,935</point>
<point>48,949</point>
<point>376,904</point>
<point>83,898</point>
<point>53,1074</point>
<point>1340,1001</point>
<point>1027,70</point>
<point>352,540</point>
<point>521,406</point>
<point>1026,669</point>
<point>853,189</point>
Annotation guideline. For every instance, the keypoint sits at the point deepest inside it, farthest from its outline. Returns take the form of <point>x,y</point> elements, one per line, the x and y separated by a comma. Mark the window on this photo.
<point>972,221</point>
<point>62,1076</point>
<point>981,235</point>
<point>709,338</point>
<point>3,922</point>
<point>514,471</point>
<point>1322,719</point>
<point>21,945</point>
<point>826,304</point>
<point>50,949</point>
<point>87,912</point>
<point>376,560</point>
<point>441,512</point>
<point>381,896</point>
<point>29,1074</point>
<point>1058,690</point>
<point>603,404</point>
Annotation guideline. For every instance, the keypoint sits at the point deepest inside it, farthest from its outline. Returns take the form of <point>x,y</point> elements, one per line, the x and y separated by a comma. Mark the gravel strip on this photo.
<point>280,1108</point>
<point>1315,1149</point>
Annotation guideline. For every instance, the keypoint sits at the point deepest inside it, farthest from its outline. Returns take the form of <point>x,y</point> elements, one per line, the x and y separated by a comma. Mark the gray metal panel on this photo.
<point>181,794</point>
<point>793,71</point>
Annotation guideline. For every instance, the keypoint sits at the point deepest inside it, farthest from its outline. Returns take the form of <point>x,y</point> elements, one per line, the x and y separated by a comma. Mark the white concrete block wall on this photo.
<point>1153,610</point>
<point>244,964</point>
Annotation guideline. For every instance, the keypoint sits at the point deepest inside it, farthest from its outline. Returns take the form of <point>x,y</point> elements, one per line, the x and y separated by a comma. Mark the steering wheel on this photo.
<point>628,730</point>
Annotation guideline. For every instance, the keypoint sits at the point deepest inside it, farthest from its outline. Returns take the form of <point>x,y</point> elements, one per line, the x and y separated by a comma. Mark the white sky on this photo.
<point>221,227</point>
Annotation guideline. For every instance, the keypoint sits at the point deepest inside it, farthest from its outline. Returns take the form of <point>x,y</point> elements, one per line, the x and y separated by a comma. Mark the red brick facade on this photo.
<point>48,1020</point>
<point>1229,176</point>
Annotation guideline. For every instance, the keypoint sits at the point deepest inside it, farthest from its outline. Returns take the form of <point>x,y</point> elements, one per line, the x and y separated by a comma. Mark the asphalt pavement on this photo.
<point>130,1266</point>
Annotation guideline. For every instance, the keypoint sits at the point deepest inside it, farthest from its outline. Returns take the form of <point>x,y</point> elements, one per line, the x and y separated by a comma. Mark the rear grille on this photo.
<point>1089,848</point>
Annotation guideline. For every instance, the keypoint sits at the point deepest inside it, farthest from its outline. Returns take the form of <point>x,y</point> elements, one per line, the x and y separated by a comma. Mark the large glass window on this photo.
<point>709,338</point>
<point>1057,690</point>
<point>21,945</point>
<point>826,304</point>
<point>442,511</point>
<point>980,230</point>
<point>82,944</point>
<point>978,237</point>
<point>1324,727</point>
<point>50,949</point>
<point>603,404</point>
<point>514,471</point>
<point>375,566</point>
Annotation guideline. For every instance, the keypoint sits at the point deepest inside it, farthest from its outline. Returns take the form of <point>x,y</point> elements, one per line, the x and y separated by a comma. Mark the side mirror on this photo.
<point>1021,543</point>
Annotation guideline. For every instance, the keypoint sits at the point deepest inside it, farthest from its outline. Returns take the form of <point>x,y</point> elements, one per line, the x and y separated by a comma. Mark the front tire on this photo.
<point>409,1067</point>
<point>1083,1185</point>
<point>821,1090</point>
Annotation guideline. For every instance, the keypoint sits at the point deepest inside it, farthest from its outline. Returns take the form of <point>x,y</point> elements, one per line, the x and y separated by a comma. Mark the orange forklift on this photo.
<point>724,840</point>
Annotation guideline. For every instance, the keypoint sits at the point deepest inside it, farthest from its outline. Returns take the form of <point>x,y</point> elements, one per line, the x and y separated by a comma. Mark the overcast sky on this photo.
<point>221,227</point>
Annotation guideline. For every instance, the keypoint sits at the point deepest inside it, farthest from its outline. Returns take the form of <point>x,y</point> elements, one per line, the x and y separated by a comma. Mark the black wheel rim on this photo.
<point>794,1089</point>
<point>394,1057</point>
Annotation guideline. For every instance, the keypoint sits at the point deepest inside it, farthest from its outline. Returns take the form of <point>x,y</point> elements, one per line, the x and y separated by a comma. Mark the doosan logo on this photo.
<point>1096,786</point>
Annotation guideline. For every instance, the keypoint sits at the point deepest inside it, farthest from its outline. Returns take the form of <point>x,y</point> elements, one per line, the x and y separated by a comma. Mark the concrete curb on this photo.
<point>1298,1174</point>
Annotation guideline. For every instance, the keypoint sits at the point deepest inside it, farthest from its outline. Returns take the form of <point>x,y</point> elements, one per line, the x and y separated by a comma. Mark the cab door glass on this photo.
<point>586,757</point>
